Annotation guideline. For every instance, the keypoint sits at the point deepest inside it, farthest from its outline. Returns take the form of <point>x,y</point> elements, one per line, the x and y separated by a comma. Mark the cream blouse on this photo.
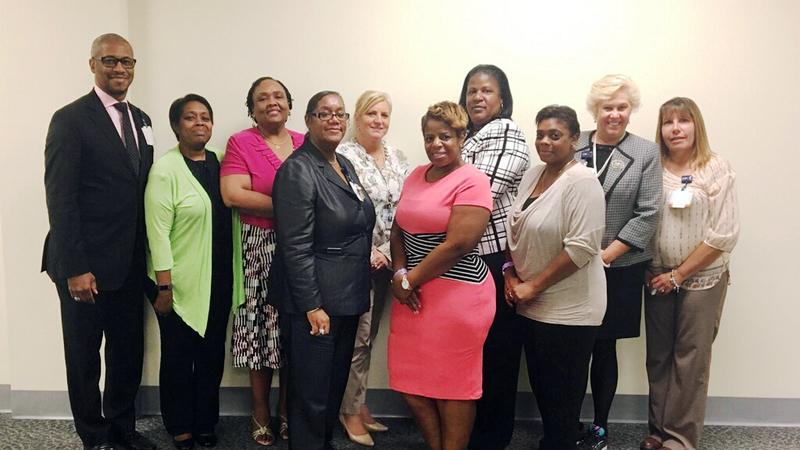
<point>570,216</point>
<point>712,218</point>
<point>382,185</point>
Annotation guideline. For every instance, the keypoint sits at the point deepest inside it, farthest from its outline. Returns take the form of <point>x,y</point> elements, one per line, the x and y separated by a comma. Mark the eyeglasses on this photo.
<point>111,62</point>
<point>326,115</point>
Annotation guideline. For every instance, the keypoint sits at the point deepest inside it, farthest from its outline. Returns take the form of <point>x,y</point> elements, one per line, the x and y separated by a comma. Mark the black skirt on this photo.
<point>624,308</point>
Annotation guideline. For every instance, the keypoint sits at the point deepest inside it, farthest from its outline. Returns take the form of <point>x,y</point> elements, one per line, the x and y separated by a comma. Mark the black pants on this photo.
<point>494,418</point>
<point>558,367</point>
<point>192,366</point>
<point>118,316</point>
<point>318,370</point>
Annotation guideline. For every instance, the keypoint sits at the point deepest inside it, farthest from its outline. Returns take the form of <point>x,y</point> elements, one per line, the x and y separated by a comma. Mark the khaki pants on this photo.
<point>368,324</point>
<point>681,328</point>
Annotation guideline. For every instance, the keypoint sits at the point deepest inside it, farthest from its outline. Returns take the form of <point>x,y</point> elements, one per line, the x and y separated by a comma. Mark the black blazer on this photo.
<point>95,199</point>
<point>324,235</point>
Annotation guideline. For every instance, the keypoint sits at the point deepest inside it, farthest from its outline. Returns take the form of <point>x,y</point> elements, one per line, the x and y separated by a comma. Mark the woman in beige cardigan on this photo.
<point>555,277</point>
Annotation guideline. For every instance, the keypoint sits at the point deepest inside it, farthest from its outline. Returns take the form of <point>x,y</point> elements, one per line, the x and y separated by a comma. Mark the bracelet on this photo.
<point>314,310</point>
<point>507,265</point>
<point>675,286</point>
<point>400,271</point>
<point>165,287</point>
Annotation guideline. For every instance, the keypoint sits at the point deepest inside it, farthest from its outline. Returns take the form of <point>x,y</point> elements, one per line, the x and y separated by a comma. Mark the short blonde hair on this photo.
<point>450,113</point>
<point>701,153</point>
<point>607,87</point>
<point>366,101</point>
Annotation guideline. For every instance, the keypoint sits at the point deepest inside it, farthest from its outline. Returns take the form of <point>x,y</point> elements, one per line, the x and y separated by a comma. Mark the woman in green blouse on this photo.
<point>191,258</point>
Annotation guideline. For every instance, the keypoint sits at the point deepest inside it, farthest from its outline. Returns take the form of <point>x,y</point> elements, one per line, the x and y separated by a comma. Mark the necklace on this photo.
<point>558,174</point>
<point>275,145</point>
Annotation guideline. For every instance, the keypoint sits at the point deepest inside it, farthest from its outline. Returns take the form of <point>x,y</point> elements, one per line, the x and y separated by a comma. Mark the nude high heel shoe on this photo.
<point>360,439</point>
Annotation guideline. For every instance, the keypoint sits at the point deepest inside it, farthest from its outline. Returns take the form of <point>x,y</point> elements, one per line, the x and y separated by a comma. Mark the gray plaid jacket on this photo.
<point>633,190</point>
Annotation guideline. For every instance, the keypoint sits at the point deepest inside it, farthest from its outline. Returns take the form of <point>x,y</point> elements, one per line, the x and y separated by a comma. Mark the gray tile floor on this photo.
<point>234,434</point>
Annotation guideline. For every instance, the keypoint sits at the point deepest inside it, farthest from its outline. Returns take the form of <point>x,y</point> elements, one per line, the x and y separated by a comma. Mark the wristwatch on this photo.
<point>404,280</point>
<point>404,283</point>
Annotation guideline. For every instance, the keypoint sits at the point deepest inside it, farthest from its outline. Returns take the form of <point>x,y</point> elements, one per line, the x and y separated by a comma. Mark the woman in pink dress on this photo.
<point>445,294</point>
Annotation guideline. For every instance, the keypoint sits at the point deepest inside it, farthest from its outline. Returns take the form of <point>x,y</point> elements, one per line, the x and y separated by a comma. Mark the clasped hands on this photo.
<point>408,297</point>
<point>516,290</point>
<point>662,284</point>
<point>378,260</point>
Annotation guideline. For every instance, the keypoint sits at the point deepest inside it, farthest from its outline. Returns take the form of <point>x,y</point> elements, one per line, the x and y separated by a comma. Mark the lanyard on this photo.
<point>594,159</point>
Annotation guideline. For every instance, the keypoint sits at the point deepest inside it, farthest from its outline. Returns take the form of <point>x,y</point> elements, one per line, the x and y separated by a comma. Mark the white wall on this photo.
<point>737,60</point>
<point>5,373</point>
<point>45,66</point>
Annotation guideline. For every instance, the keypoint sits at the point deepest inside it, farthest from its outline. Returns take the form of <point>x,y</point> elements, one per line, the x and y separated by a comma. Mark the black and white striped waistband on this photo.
<point>470,269</point>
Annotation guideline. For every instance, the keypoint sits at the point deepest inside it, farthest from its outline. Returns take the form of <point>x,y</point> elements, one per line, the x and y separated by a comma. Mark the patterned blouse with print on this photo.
<point>383,185</point>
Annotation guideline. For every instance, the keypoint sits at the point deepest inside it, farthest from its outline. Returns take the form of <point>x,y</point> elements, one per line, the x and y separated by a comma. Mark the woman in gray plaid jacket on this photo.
<point>629,169</point>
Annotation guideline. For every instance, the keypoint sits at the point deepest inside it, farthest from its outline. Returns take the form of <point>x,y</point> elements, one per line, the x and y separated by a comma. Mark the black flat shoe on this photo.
<point>186,444</point>
<point>133,440</point>
<point>206,439</point>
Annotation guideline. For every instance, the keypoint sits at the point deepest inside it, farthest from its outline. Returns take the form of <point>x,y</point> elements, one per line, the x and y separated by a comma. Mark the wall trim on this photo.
<point>235,401</point>
<point>5,398</point>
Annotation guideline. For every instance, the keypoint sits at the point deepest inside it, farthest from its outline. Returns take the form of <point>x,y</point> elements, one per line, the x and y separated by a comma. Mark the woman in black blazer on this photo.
<point>321,277</point>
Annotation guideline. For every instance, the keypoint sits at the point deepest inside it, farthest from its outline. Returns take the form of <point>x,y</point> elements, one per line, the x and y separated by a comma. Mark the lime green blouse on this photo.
<point>178,218</point>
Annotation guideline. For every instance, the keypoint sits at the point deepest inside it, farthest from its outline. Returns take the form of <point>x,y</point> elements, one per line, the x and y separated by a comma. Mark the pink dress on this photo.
<point>438,353</point>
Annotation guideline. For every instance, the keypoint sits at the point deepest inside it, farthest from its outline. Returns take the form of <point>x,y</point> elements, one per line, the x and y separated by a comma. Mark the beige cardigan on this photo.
<point>570,216</point>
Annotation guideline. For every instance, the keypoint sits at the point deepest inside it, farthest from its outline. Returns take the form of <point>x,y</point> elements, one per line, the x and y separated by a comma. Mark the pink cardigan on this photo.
<point>247,153</point>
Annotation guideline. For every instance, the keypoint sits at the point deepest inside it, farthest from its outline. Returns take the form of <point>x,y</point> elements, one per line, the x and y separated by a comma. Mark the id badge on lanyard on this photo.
<point>587,156</point>
<point>357,189</point>
<point>682,198</point>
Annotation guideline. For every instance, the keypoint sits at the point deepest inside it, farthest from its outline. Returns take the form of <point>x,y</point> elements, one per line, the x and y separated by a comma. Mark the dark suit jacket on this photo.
<point>95,199</point>
<point>324,235</point>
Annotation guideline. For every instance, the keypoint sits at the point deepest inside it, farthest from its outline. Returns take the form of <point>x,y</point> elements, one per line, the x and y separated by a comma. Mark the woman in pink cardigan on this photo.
<point>252,158</point>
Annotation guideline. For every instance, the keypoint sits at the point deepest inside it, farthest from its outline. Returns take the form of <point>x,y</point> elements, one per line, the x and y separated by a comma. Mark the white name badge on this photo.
<point>357,189</point>
<point>680,198</point>
<point>147,131</point>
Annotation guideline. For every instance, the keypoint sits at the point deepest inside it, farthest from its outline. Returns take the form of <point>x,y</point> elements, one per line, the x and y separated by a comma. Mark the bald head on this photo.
<point>110,54</point>
<point>108,38</point>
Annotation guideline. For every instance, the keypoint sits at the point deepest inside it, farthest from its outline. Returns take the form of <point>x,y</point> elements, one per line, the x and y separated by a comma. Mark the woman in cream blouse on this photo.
<point>382,170</point>
<point>555,276</point>
<point>689,276</point>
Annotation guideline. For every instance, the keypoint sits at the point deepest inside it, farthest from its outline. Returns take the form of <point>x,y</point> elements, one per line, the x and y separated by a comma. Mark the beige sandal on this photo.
<point>261,434</point>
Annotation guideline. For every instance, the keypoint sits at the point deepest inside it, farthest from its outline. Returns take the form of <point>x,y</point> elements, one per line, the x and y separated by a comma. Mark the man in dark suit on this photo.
<point>97,157</point>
